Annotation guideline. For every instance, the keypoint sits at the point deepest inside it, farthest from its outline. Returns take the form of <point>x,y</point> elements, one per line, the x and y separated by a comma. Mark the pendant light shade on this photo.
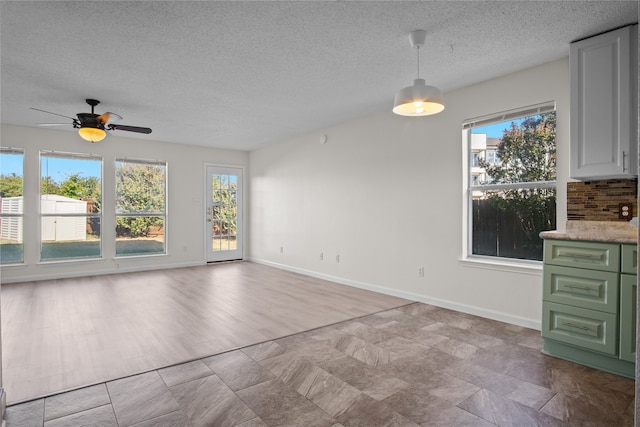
<point>419,99</point>
<point>92,134</point>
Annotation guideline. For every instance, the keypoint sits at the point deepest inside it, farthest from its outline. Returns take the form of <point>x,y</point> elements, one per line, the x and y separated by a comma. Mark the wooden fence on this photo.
<point>508,233</point>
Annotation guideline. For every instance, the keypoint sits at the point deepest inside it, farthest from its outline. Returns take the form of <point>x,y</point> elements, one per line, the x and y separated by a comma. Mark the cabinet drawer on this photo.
<point>629,259</point>
<point>593,330</point>
<point>591,255</point>
<point>592,289</point>
<point>628,316</point>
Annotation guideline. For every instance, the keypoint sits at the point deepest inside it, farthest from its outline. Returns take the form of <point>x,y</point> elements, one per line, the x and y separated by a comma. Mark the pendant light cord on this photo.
<point>418,49</point>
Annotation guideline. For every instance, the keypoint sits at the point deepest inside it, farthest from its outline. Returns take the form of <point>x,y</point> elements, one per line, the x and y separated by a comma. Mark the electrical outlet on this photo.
<point>321,256</point>
<point>625,211</point>
<point>420,271</point>
<point>281,249</point>
<point>338,258</point>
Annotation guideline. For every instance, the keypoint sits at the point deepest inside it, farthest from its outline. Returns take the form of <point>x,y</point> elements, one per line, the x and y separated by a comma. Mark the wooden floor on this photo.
<point>63,334</point>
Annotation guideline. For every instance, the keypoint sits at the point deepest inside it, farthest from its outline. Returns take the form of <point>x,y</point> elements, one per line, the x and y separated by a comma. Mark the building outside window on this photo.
<point>512,182</point>
<point>492,154</point>
<point>11,205</point>
<point>70,206</point>
<point>140,207</point>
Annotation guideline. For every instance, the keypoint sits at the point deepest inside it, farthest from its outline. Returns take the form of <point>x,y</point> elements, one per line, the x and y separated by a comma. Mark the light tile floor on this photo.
<point>416,365</point>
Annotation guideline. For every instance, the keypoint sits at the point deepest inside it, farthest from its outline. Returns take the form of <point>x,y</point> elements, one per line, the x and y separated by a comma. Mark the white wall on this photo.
<point>185,226</point>
<point>385,193</point>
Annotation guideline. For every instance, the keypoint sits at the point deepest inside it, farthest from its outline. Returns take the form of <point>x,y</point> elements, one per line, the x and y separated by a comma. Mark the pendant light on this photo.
<point>419,99</point>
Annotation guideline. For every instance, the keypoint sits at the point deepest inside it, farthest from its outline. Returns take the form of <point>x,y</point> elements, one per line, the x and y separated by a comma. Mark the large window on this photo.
<point>70,206</point>
<point>11,205</point>
<point>140,207</point>
<point>512,182</point>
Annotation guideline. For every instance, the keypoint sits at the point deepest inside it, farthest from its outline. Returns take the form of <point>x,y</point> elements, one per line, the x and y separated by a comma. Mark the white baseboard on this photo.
<point>123,269</point>
<point>476,311</point>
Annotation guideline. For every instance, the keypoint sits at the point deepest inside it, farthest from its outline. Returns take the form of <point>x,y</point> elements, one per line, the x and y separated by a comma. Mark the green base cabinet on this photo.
<point>628,316</point>
<point>589,304</point>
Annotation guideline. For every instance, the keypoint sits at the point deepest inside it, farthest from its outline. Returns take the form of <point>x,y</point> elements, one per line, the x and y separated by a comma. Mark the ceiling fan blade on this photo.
<point>130,128</point>
<point>108,117</point>
<point>53,124</point>
<point>49,112</point>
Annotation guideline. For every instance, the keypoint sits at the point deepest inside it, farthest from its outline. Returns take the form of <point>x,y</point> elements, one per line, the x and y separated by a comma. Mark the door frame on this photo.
<point>242,221</point>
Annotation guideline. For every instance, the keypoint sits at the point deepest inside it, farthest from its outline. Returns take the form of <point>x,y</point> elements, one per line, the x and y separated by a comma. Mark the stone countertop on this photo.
<point>596,231</point>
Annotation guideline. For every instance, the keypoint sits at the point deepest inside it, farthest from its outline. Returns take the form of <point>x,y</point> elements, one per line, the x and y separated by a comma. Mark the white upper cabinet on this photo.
<point>604,109</point>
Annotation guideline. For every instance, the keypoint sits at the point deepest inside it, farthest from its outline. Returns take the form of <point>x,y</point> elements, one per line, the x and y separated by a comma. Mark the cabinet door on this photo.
<point>628,316</point>
<point>592,289</point>
<point>603,105</point>
<point>589,329</point>
<point>629,259</point>
<point>578,254</point>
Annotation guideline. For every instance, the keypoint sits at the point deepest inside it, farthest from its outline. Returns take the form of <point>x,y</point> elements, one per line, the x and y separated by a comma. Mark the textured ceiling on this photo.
<point>240,75</point>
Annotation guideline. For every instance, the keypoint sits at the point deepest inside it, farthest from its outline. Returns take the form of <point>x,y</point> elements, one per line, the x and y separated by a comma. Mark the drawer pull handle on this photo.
<point>583,288</point>
<point>582,256</point>
<point>571,325</point>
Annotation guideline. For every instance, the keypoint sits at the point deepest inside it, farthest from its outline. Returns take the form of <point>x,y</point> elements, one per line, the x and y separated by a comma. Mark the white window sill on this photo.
<point>14,265</point>
<point>138,256</point>
<point>533,268</point>
<point>62,261</point>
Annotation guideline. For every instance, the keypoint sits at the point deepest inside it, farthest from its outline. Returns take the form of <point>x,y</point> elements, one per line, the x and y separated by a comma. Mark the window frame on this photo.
<point>164,215</point>
<point>87,215</point>
<point>469,188</point>
<point>19,215</point>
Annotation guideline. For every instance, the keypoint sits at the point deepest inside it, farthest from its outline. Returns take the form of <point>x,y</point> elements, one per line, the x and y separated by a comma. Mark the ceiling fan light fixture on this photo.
<point>419,99</point>
<point>92,134</point>
<point>93,127</point>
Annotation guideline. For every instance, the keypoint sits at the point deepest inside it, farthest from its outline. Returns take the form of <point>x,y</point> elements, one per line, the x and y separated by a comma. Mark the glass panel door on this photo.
<point>224,213</point>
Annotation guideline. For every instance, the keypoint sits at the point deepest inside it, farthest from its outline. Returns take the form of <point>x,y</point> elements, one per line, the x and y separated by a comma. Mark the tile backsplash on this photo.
<point>599,200</point>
